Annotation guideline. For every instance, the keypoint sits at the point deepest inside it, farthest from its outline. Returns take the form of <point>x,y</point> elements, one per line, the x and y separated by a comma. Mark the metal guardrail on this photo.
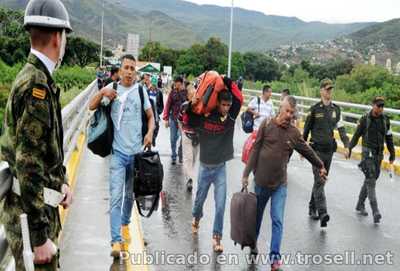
<point>75,116</point>
<point>349,118</point>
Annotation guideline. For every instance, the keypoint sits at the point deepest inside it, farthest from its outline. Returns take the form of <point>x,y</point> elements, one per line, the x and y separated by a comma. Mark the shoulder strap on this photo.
<point>152,209</point>
<point>141,96</point>
<point>258,102</point>
<point>115,85</point>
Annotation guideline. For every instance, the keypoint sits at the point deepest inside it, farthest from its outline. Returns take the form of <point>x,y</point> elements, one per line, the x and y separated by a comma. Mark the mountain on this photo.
<point>179,24</point>
<point>386,33</point>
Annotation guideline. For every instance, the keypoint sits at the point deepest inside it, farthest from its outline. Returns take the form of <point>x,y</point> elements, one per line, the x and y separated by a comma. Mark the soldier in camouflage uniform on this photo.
<point>32,140</point>
<point>323,119</point>
<point>374,128</point>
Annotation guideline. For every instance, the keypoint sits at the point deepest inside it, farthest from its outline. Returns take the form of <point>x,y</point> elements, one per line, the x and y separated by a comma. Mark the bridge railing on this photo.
<point>75,116</point>
<point>351,112</point>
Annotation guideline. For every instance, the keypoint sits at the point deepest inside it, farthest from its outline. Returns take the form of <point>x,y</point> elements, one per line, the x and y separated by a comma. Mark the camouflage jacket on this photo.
<point>32,144</point>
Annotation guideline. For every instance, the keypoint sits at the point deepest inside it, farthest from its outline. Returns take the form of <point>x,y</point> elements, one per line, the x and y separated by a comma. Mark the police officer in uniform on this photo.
<point>324,117</point>
<point>374,128</point>
<point>32,140</point>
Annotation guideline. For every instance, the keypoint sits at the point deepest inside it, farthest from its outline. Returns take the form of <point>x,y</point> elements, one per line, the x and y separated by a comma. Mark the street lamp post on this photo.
<point>230,43</point>
<point>102,36</point>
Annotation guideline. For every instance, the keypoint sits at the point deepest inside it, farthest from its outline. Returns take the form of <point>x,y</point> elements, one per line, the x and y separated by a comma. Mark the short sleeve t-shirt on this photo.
<point>128,138</point>
<point>266,110</point>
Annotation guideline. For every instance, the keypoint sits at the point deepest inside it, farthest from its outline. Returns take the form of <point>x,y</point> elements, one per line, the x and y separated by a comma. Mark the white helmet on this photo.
<point>47,13</point>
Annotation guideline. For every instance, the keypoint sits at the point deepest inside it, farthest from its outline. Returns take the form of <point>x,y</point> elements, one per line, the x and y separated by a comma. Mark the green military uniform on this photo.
<point>374,132</point>
<point>32,144</point>
<point>321,121</point>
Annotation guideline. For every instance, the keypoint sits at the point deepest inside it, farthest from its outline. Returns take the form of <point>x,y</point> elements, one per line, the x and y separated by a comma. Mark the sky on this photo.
<point>330,11</point>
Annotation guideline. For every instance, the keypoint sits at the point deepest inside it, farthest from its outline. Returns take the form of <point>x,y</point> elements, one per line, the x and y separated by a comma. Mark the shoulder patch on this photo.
<point>39,93</point>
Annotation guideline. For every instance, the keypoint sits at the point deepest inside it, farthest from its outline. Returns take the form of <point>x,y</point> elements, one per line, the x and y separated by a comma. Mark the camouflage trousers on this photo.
<point>318,198</point>
<point>15,242</point>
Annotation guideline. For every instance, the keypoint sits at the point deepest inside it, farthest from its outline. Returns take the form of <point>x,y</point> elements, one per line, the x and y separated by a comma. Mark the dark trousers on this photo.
<point>318,199</point>
<point>368,188</point>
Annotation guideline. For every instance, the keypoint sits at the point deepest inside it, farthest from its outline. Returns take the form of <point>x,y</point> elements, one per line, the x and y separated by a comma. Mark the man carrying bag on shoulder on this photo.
<point>129,105</point>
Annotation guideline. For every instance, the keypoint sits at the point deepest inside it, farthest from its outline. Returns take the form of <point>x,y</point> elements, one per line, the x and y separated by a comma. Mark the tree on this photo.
<point>191,62</point>
<point>81,52</point>
<point>215,55</point>
<point>260,67</point>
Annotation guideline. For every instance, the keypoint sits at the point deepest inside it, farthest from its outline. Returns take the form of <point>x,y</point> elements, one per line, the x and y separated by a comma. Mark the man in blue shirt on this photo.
<point>126,115</point>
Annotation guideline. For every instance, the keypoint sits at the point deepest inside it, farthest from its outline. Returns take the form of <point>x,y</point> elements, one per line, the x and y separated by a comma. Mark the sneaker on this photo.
<point>195,226</point>
<point>124,246</point>
<point>324,220</point>
<point>253,254</point>
<point>115,250</point>
<point>217,246</point>
<point>126,235</point>
<point>173,162</point>
<point>377,218</point>
<point>313,214</point>
<point>189,185</point>
<point>361,210</point>
<point>276,266</point>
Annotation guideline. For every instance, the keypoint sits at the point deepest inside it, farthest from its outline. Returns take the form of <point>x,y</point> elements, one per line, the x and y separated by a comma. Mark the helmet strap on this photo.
<point>62,49</point>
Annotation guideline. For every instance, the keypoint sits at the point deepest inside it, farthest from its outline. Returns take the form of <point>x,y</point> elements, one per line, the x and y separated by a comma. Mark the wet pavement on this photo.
<point>347,240</point>
<point>171,246</point>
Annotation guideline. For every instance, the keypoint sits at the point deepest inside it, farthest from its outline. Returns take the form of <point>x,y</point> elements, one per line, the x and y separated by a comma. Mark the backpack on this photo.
<point>248,119</point>
<point>210,84</point>
<point>148,177</point>
<point>100,130</point>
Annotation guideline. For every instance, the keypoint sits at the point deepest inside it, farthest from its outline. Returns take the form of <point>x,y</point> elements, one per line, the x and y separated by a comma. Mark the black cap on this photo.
<point>378,100</point>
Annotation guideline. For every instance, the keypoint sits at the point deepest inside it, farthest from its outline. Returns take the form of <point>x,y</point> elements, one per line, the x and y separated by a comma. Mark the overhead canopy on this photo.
<point>148,69</point>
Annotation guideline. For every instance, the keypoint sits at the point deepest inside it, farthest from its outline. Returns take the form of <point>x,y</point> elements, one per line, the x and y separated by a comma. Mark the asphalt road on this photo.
<point>350,242</point>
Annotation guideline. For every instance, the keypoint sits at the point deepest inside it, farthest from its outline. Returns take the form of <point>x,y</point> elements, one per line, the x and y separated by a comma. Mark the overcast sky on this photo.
<point>332,11</point>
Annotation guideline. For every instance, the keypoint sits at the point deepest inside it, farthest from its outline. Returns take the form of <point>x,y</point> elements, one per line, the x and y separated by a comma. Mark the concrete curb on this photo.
<point>137,246</point>
<point>72,168</point>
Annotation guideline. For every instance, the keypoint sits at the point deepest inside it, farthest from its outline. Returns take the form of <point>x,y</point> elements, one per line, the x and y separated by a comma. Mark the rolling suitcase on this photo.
<point>243,218</point>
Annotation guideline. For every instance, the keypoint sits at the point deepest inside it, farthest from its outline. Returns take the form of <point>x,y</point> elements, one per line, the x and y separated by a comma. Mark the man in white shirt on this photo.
<point>129,139</point>
<point>262,107</point>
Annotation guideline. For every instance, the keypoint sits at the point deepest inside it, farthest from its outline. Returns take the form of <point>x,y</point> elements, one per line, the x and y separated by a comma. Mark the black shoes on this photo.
<point>313,214</point>
<point>189,185</point>
<point>377,218</point>
<point>361,210</point>
<point>324,218</point>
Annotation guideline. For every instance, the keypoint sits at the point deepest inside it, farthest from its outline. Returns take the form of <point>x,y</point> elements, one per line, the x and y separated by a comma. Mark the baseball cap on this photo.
<point>326,83</point>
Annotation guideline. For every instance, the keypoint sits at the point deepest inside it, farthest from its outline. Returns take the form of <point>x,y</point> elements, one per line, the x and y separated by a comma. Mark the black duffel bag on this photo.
<point>148,174</point>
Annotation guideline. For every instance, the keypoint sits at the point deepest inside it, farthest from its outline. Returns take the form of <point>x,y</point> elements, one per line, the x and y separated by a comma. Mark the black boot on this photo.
<point>324,218</point>
<point>189,185</point>
<point>375,211</point>
<point>312,212</point>
<point>377,218</point>
<point>360,208</point>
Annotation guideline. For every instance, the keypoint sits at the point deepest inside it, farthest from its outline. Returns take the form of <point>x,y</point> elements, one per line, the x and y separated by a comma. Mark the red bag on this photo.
<point>211,83</point>
<point>248,146</point>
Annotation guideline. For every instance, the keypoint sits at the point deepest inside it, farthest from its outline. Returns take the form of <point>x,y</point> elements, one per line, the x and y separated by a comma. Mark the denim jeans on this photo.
<point>207,176</point>
<point>175,133</point>
<point>121,192</point>
<point>278,201</point>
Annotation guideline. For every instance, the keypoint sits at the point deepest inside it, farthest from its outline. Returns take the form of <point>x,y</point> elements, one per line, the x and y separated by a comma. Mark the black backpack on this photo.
<point>101,130</point>
<point>148,178</point>
<point>248,119</point>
